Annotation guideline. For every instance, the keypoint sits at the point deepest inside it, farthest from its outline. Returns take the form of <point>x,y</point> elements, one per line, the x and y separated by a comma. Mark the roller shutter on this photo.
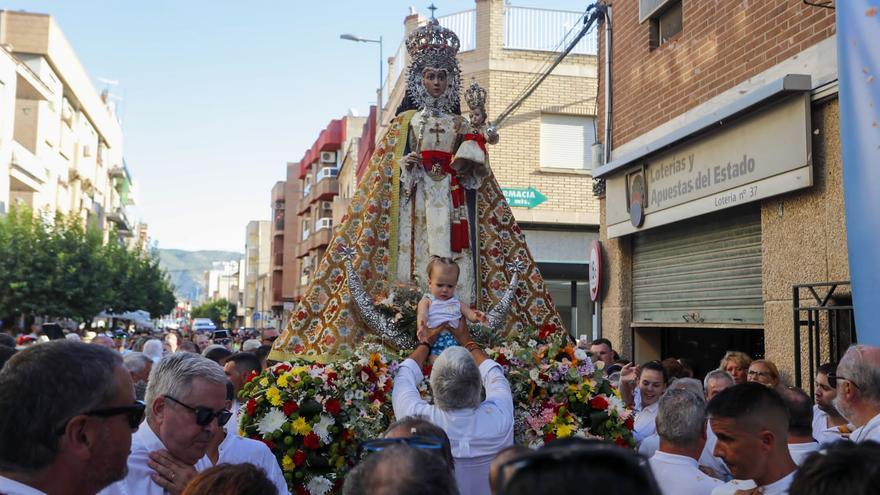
<point>703,270</point>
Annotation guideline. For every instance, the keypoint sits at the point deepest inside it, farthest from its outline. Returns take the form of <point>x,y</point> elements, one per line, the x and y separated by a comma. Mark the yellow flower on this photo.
<point>264,382</point>
<point>563,431</point>
<point>300,426</point>
<point>274,396</point>
<point>282,380</point>
<point>287,463</point>
<point>297,370</point>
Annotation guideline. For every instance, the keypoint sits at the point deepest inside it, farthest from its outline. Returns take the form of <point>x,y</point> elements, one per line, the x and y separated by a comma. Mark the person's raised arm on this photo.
<point>463,337</point>
<point>628,376</point>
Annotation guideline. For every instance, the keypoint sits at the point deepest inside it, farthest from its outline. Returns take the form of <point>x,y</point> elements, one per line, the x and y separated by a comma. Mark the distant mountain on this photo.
<point>187,269</point>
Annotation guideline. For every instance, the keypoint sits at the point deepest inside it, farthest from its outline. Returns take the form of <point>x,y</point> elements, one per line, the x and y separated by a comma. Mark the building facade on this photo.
<point>60,141</point>
<point>318,186</point>
<point>543,161</point>
<point>723,193</point>
<point>255,290</point>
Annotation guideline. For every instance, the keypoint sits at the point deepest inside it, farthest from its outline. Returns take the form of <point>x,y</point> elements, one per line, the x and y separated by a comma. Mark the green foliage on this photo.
<point>62,269</point>
<point>221,311</point>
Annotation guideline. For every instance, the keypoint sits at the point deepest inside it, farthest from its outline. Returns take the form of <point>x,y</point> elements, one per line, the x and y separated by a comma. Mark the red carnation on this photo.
<point>290,407</point>
<point>312,441</point>
<point>251,407</point>
<point>549,437</point>
<point>629,423</point>
<point>251,376</point>
<point>269,443</point>
<point>299,457</point>
<point>332,406</point>
<point>301,490</point>
<point>620,441</point>
<point>599,402</point>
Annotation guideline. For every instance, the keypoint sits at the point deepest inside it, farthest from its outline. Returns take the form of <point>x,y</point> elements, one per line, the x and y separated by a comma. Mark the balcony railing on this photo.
<point>545,30</point>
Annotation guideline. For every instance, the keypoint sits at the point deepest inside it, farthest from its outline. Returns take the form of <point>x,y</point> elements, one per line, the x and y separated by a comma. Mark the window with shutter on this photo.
<point>566,141</point>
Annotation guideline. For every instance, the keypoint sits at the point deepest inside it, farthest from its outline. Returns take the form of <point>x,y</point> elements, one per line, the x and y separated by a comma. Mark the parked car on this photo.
<point>203,325</point>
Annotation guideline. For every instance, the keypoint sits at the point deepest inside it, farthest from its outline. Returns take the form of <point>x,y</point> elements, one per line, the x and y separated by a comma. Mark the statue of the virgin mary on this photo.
<point>414,202</point>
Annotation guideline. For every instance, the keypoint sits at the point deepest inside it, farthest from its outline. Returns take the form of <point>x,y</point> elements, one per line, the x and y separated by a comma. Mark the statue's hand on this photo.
<point>411,160</point>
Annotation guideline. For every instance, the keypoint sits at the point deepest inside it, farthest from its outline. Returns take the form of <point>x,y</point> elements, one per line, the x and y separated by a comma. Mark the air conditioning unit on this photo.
<point>327,173</point>
<point>328,157</point>
<point>323,223</point>
<point>326,205</point>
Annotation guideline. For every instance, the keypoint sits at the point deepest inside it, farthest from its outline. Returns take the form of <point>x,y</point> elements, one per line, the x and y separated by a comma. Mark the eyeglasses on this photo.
<point>762,374</point>
<point>204,415</point>
<point>635,464</point>
<point>380,444</point>
<point>134,413</point>
<point>833,378</point>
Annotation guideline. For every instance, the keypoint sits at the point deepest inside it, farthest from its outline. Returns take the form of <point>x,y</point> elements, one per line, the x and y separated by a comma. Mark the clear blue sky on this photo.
<point>217,96</point>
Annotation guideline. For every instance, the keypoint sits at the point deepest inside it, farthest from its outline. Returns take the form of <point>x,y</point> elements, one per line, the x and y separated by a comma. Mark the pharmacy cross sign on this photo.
<point>523,198</point>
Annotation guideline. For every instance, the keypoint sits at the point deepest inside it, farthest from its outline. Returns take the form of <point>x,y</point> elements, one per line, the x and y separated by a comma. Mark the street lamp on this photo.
<point>352,37</point>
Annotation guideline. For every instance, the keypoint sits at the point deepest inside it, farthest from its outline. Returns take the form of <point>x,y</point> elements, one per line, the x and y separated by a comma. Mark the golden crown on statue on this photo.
<point>432,38</point>
<point>475,96</point>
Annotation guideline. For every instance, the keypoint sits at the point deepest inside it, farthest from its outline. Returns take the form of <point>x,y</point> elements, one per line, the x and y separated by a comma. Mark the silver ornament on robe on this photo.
<point>382,326</point>
<point>498,315</point>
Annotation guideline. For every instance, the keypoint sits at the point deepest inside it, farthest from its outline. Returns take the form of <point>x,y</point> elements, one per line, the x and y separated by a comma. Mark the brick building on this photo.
<point>723,191</point>
<point>545,146</point>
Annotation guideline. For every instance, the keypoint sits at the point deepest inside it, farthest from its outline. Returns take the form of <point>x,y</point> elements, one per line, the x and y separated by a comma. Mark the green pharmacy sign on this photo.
<point>523,198</point>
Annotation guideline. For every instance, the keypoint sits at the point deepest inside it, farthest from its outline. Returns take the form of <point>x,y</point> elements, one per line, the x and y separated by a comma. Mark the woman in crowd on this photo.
<point>764,372</point>
<point>737,364</point>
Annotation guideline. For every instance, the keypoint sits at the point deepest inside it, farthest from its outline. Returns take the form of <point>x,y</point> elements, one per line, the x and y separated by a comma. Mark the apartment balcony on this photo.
<point>326,187</point>
<point>120,218</point>
<point>25,169</point>
<point>527,28</point>
<point>320,238</point>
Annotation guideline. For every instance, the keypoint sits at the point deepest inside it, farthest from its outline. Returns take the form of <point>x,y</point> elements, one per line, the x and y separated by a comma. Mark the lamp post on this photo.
<point>352,37</point>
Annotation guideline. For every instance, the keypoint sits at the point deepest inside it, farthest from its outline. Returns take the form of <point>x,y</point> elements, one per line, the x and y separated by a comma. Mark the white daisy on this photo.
<point>271,421</point>
<point>321,428</point>
<point>319,485</point>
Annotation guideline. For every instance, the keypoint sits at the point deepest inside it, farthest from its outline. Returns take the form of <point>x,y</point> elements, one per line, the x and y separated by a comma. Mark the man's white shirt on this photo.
<point>800,451</point>
<point>680,475</point>
<point>868,431</point>
<point>139,481</point>
<point>779,487</point>
<point>645,424</point>
<point>12,487</point>
<point>823,433</point>
<point>238,450</point>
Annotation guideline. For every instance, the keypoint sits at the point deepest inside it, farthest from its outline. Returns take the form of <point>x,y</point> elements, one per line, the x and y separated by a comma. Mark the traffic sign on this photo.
<point>523,198</point>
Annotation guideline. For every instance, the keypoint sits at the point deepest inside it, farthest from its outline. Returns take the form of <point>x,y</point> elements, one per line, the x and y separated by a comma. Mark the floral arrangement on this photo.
<point>401,305</point>
<point>559,392</point>
<point>313,416</point>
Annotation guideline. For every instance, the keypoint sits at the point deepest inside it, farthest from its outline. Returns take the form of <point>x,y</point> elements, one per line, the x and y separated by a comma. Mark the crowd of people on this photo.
<point>157,415</point>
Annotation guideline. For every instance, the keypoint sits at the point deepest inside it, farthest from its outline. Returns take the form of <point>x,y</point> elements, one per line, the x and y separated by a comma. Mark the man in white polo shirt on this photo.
<point>681,425</point>
<point>858,391</point>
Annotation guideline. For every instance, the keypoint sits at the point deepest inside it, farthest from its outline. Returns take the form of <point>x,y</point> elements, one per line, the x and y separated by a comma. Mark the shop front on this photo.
<point>686,223</point>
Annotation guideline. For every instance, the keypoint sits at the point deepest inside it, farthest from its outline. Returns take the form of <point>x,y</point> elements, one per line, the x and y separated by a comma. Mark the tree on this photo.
<point>220,311</point>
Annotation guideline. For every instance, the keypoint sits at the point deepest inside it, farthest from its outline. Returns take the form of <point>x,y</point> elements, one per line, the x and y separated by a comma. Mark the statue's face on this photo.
<point>435,81</point>
<point>478,115</point>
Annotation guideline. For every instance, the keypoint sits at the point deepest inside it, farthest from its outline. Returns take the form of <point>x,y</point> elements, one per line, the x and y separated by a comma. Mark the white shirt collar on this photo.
<point>779,486</point>
<point>867,430</point>
<point>146,437</point>
<point>12,487</point>
<point>675,459</point>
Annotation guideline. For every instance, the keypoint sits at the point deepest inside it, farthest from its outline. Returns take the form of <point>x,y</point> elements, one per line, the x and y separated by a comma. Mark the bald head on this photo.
<point>861,366</point>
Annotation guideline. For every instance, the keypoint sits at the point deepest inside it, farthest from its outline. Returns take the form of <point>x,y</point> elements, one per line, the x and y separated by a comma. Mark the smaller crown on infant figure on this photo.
<point>471,161</point>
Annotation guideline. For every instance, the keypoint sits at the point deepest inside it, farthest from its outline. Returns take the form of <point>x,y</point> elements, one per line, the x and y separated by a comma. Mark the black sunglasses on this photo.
<point>834,377</point>
<point>134,413</point>
<point>204,415</point>
<point>380,444</point>
<point>551,455</point>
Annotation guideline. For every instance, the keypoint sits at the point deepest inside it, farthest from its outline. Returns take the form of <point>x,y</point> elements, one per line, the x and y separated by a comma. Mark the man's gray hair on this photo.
<point>154,349</point>
<point>41,389</point>
<point>689,384</point>
<point>681,417</point>
<point>861,366</point>
<point>400,469</point>
<point>175,373</point>
<point>716,375</point>
<point>135,362</point>
<point>455,380</point>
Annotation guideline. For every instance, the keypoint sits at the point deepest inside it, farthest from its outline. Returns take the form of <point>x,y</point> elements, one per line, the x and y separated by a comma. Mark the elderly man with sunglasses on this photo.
<point>858,391</point>
<point>186,400</point>
<point>477,430</point>
<point>68,413</point>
